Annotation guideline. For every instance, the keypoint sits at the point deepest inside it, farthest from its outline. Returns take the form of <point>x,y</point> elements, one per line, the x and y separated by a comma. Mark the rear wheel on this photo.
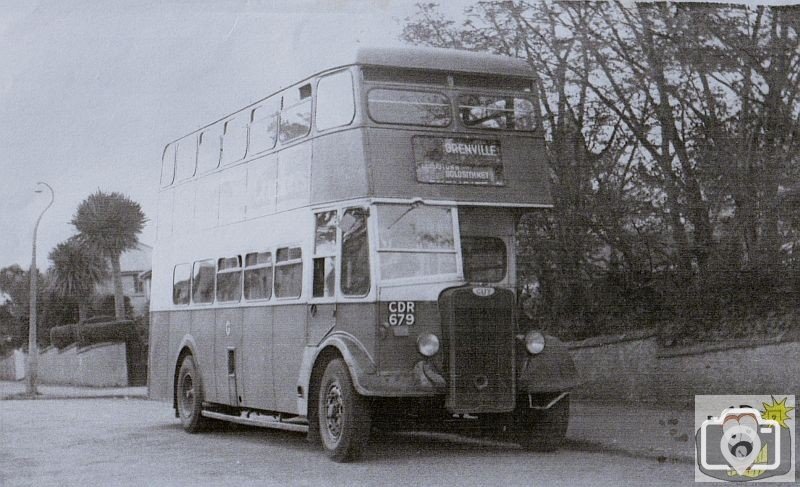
<point>343,414</point>
<point>541,429</point>
<point>190,397</point>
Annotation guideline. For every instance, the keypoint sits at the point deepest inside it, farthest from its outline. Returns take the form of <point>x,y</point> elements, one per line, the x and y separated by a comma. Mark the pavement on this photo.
<point>666,435</point>
<point>16,390</point>
<point>635,431</point>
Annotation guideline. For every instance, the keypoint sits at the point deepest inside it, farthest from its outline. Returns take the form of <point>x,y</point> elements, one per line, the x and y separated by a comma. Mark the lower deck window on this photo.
<point>229,279</point>
<point>203,281</point>
<point>355,253</point>
<point>258,275</point>
<point>181,277</point>
<point>288,272</point>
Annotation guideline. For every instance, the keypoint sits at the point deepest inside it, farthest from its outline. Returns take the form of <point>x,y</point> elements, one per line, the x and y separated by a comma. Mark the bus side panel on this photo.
<point>398,349</point>
<point>257,358</point>
<point>178,328</point>
<point>202,323</point>
<point>358,319</point>
<point>159,370</point>
<point>289,337</point>
<point>335,155</point>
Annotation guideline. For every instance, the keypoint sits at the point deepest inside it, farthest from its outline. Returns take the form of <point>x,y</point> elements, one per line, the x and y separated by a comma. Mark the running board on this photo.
<point>261,421</point>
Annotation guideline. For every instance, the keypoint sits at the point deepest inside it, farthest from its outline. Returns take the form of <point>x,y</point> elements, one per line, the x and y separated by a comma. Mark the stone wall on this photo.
<point>12,367</point>
<point>100,365</point>
<point>634,368</point>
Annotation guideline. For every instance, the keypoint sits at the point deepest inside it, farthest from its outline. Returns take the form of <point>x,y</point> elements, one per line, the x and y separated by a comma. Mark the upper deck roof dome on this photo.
<point>442,59</point>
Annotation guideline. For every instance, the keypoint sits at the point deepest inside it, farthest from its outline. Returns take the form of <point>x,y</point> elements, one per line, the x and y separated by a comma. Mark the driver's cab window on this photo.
<point>324,280</point>
<point>485,259</point>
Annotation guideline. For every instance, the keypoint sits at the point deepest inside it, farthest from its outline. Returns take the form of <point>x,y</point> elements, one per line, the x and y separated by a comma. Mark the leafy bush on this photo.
<point>64,335</point>
<point>110,331</point>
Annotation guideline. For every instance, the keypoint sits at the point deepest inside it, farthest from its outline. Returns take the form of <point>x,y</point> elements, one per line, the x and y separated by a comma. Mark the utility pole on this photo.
<point>32,370</point>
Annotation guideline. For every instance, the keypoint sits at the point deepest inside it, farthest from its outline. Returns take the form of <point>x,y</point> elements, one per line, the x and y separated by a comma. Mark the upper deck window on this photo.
<point>409,107</point>
<point>415,241</point>
<point>264,126</point>
<point>405,76</point>
<point>492,82</point>
<point>503,112</point>
<point>335,101</point>
<point>208,148</point>
<point>168,166</point>
<point>234,140</point>
<point>186,158</point>
<point>296,113</point>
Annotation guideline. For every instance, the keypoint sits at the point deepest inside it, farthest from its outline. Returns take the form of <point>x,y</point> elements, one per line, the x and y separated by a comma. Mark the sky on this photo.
<point>90,92</point>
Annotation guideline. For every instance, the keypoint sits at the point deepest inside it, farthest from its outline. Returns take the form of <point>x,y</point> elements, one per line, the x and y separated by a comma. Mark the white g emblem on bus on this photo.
<point>228,328</point>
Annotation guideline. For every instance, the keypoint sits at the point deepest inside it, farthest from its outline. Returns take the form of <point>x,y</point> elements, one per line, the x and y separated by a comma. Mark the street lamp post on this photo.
<point>31,374</point>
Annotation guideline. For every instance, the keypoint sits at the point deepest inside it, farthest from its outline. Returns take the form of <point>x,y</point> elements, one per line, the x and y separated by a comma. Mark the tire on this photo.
<point>189,395</point>
<point>541,429</point>
<point>343,414</point>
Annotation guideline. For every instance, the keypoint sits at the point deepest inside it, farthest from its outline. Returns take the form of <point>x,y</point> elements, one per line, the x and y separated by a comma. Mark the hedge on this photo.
<point>109,331</point>
<point>63,336</point>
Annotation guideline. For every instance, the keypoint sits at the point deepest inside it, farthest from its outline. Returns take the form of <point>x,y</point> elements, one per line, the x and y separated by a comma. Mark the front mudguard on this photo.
<point>552,370</point>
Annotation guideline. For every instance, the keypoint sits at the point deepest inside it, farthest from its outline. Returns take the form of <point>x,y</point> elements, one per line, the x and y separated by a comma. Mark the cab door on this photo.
<point>322,305</point>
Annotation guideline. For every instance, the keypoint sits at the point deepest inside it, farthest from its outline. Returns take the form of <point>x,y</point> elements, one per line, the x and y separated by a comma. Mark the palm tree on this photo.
<point>110,224</point>
<point>76,270</point>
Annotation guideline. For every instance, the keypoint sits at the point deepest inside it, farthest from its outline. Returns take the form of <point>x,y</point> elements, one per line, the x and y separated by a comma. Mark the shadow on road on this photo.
<point>383,446</point>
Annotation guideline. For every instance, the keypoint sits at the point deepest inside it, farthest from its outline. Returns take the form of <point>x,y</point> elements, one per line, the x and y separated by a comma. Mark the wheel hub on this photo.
<point>187,395</point>
<point>334,411</point>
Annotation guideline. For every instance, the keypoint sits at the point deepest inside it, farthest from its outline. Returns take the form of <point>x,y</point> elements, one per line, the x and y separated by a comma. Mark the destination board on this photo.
<point>451,160</point>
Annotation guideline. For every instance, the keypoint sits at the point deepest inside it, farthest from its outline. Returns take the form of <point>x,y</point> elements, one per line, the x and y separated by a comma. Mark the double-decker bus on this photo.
<point>341,254</point>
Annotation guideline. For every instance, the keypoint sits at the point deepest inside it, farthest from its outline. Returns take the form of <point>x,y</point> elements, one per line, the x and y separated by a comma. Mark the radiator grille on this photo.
<point>480,351</point>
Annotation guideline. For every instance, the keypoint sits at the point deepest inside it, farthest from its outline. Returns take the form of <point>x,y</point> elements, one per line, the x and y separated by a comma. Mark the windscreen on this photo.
<point>416,241</point>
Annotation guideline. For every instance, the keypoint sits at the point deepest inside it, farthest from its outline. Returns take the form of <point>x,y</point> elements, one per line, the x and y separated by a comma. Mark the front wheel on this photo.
<point>190,397</point>
<point>541,429</point>
<point>344,415</point>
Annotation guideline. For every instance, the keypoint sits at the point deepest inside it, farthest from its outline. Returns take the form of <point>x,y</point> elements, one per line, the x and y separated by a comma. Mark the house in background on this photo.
<point>133,264</point>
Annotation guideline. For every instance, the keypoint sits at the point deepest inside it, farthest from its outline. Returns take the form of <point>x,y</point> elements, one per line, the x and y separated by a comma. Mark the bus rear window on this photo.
<point>484,259</point>
<point>409,107</point>
<point>496,112</point>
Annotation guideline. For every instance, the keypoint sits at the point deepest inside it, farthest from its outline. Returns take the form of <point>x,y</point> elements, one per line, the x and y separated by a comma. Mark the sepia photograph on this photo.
<point>399,242</point>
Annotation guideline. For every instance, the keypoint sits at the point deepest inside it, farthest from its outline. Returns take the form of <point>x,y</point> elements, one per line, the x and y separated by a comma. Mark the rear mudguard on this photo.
<point>552,370</point>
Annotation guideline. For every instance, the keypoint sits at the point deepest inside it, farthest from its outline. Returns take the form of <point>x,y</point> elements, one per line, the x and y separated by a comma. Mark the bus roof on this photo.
<point>442,60</point>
